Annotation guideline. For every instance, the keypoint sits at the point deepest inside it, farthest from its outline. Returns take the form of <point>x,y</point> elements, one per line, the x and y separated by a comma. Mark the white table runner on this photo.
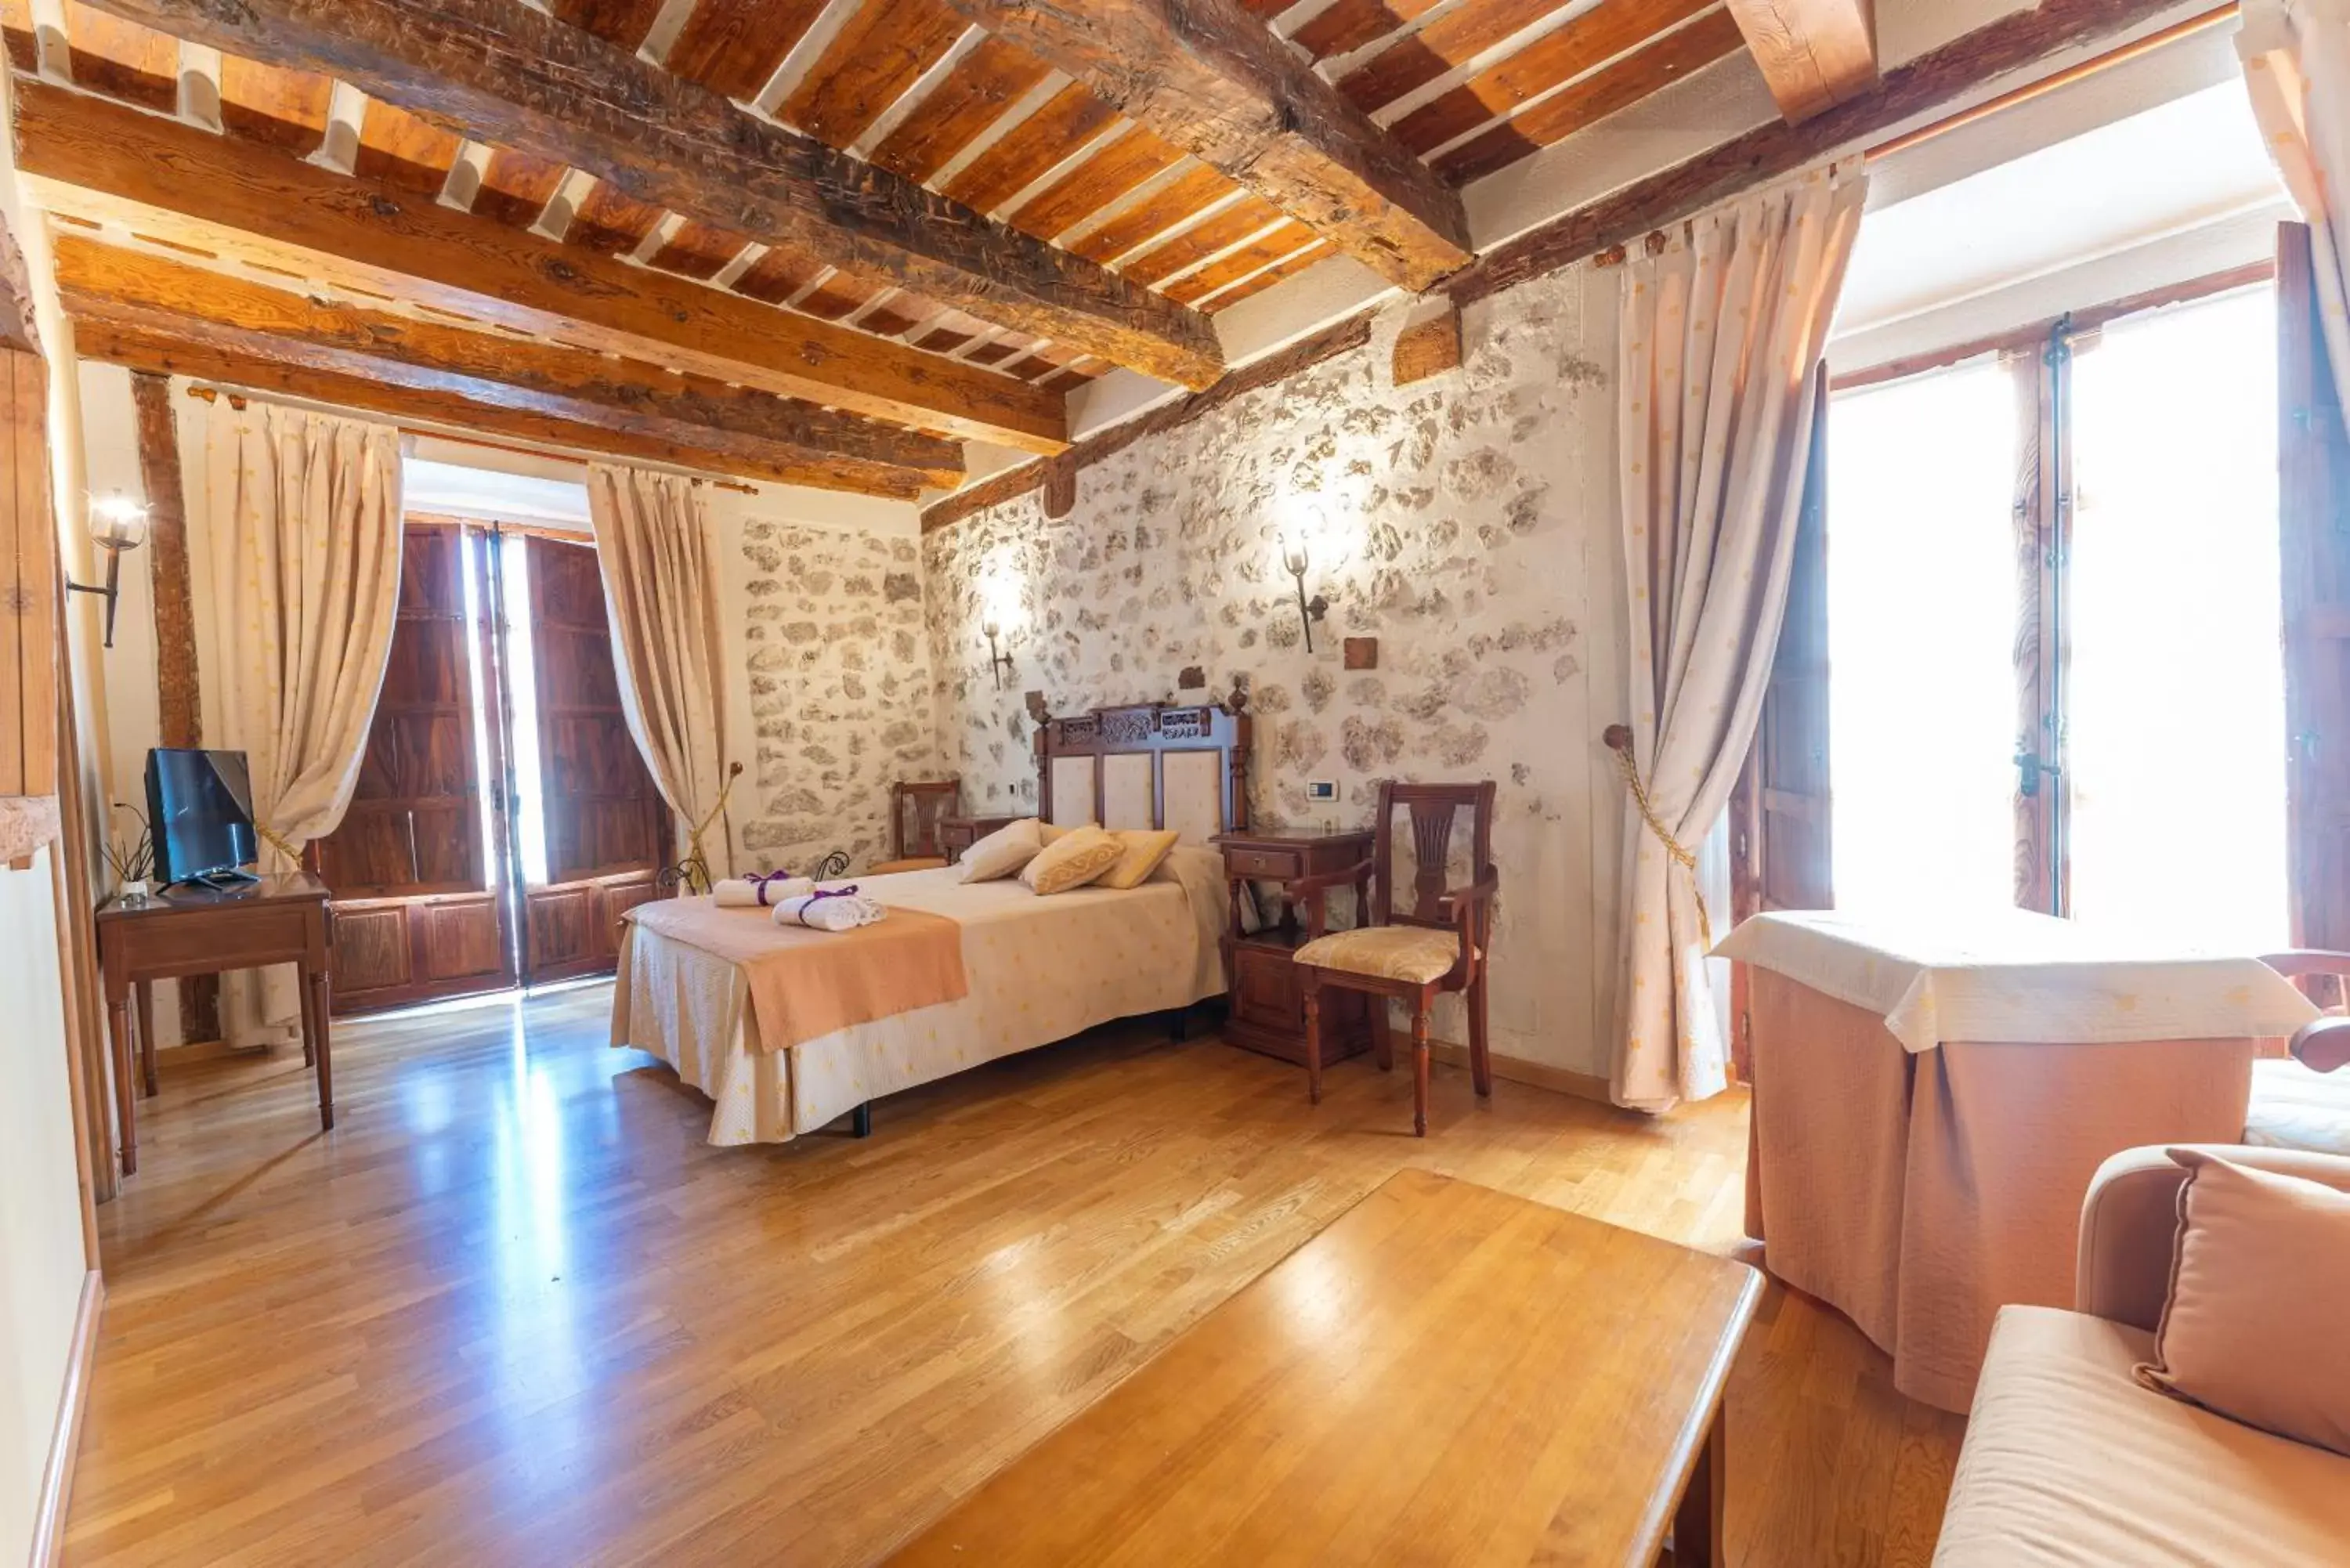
<point>2013,976</point>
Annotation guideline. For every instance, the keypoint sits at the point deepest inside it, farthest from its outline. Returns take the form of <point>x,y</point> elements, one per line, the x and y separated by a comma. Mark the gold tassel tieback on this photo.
<point>1619,741</point>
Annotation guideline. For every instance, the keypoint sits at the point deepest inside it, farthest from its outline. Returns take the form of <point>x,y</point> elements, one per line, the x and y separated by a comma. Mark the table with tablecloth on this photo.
<point>1931,1096</point>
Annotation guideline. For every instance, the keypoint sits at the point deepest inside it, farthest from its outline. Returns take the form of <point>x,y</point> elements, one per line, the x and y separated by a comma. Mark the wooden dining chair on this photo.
<point>1413,955</point>
<point>915,807</point>
<point>2304,1102</point>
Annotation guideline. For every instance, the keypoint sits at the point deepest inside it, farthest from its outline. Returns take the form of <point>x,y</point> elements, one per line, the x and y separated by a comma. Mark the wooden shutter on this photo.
<point>1781,853</point>
<point>416,911</point>
<point>2314,496</point>
<point>1781,857</point>
<point>607,828</point>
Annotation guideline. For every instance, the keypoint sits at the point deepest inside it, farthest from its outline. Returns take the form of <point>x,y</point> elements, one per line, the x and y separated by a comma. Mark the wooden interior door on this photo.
<point>607,828</point>
<point>2313,475</point>
<point>418,914</point>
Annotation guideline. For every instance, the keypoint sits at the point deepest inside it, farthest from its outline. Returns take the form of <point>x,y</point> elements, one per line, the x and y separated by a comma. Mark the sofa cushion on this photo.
<point>2253,1327</point>
<point>2068,1461</point>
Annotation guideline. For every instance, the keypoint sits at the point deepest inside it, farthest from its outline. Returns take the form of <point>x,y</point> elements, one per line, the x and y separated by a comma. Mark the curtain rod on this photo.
<point>2186,27</point>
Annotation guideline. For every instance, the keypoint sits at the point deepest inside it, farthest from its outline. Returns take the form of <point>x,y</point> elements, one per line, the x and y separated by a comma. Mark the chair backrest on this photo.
<point>915,809</point>
<point>1433,810</point>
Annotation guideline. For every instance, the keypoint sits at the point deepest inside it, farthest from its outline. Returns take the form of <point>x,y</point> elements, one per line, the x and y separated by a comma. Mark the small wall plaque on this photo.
<point>1362,653</point>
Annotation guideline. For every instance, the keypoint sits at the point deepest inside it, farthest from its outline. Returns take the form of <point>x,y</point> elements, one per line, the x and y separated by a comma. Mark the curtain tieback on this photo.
<point>695,868</point>
<point>1619,741</point>
<point>278,841</point>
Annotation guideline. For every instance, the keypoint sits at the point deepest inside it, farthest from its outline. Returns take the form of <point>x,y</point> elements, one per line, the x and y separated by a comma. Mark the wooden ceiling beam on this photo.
<point>158,349</point>
<point>517,77</point>
<point>1814,53</point>
<point>1211,77</point>
<point>106,160</point>
<point>580,385</point>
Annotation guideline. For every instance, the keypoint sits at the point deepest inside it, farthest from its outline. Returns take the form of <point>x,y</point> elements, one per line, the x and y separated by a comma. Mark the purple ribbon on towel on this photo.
<point>815,899</point>
<point>760,885</point>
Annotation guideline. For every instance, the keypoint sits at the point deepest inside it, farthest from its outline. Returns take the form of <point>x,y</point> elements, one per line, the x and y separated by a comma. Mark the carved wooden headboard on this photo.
<point>1145,766</point>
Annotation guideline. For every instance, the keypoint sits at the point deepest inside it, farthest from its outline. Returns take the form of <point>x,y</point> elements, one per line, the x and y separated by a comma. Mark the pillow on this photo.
<point>1053,832</point>
<point>1075,858</point>
<point>1145,849</point>
<point>1001,852</point>
<point>2253,1329</point>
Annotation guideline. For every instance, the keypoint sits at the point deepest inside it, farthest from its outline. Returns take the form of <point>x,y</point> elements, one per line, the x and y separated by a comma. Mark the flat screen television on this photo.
<point>199,808</point>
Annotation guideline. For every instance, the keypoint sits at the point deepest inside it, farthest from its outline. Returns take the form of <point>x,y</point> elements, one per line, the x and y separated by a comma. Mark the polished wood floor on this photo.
<point>514,1311</point>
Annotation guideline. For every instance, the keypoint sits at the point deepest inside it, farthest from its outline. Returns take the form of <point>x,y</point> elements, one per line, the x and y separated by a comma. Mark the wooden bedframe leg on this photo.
<point>861,1120</point>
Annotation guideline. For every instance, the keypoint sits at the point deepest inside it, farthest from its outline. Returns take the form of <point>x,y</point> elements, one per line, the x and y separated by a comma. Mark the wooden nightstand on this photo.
<point>1267,1007</point>
<point>957,834</point>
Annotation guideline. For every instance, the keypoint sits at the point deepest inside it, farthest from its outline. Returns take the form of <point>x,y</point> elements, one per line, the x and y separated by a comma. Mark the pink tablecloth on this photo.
<point>1918,1192</point>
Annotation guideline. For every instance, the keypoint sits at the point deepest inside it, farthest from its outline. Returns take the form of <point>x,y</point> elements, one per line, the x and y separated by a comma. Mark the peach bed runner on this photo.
<point>804,985</point>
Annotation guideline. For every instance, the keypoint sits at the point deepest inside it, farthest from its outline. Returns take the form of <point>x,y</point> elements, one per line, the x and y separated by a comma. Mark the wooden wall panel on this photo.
<point>28,583</point>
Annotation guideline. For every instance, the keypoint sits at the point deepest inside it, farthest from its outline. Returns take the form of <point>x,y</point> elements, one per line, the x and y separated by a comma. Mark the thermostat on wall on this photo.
<point>1322,789</point>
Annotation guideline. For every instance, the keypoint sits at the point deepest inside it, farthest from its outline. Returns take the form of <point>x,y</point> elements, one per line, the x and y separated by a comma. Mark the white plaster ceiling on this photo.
<point>2182,166</point>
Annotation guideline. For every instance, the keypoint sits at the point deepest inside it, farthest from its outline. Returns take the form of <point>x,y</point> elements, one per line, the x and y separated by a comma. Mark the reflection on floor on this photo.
<point>514,1311</point>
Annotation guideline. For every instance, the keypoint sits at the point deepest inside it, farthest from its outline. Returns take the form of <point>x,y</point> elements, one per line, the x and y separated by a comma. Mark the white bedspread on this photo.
<point>1041,970</point>
<point>2013,976</point>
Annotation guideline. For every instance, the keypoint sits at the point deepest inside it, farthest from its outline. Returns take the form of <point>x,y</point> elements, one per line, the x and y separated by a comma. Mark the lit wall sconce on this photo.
<point>1293,556</point>
<point>998,662</point>
<point>117,523</point>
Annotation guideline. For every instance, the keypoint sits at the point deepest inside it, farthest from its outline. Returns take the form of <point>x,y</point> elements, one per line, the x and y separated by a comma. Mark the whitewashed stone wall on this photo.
<point>1467,522</point>
<point>837,673</point>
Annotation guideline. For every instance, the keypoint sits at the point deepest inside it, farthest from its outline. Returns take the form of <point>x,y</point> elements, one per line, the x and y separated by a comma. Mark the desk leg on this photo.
<point>126,1099</point>
<point>1697,1523</point>
<point>317,1036</point>
<point>309,1023</point>
<point>146,992</point>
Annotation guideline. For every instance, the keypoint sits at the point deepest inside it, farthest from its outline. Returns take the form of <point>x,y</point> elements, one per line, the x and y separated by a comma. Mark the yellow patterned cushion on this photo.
<point>1072,860</point>
<point>1413,953</point>
<point>1053,833</point>
<point>1145,849</point>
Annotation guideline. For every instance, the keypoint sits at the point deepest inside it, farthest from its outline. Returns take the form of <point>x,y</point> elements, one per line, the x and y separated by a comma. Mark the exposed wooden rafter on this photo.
<point>1815,54</point>
<point>1210,77</point>
<point>521,80</point>
<point>169,347</point>
<point>355,233</point>
<point>589,388</point>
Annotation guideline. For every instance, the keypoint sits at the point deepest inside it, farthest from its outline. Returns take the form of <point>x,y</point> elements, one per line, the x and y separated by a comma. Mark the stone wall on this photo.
<point>837,675</point>
<point>1466,521</point>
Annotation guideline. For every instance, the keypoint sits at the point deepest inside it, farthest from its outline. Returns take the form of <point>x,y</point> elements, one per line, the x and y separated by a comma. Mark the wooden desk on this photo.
<point>197,931</point>
<point>1267,1006</point>
<point>1445,1374</point>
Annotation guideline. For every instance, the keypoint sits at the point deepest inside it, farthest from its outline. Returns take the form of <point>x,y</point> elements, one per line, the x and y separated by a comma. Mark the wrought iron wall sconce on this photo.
<point>1293,556</point>
<point>117,523</point>
<point>998,662</point>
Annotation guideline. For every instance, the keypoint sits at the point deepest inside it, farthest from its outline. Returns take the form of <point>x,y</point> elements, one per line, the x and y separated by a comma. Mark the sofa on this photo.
<point>2069,1460</point>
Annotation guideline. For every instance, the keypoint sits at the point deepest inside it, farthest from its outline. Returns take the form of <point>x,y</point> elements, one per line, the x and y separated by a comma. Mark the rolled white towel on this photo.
<point>760,892</point>
<point>843,910</point>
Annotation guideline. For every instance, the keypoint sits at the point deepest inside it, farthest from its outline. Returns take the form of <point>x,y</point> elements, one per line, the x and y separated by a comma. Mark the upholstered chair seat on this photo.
<point>1416,954</point>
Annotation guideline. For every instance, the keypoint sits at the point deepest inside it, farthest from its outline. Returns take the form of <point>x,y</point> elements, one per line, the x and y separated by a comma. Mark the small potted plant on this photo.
<point>131,859</point>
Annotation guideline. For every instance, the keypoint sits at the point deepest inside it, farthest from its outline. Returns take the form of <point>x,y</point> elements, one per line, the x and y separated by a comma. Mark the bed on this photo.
<point>1033,971</point>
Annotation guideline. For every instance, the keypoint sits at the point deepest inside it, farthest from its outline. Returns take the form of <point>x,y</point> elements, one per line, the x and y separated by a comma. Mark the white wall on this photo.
<point>41,1259</point>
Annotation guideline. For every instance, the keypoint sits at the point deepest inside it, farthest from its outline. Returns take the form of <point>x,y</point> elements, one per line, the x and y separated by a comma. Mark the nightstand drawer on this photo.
<point>1270,865</point>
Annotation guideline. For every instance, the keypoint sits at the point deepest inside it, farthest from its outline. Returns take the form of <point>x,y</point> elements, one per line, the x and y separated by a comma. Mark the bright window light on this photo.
<point>522,695</point>
<point>1921,623</point>
<point>2177,732</point>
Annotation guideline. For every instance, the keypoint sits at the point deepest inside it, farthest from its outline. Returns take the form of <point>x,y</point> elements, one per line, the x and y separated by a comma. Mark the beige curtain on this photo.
<point>2296,56</point>
<point>300,514</point>
<point>1722,328</point>
<point>661,589</point>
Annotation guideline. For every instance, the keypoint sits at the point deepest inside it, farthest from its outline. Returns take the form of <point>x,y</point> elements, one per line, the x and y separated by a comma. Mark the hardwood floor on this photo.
<point>513,1310</point>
